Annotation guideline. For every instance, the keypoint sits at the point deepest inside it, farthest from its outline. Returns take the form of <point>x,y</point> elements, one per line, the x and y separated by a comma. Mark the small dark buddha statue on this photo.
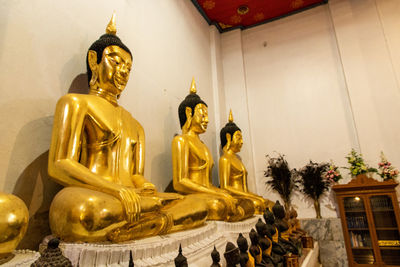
<point>232,255</point>
<point>180,260</point>
<point>52,256</point>
<point>294,235</point>
<point>255,250</point>
<point>246,260</point>
<point>295,222</point>
<point>277,252</point>
<point>283,229</point>
<point>215,258</point>
<point>265,243</point>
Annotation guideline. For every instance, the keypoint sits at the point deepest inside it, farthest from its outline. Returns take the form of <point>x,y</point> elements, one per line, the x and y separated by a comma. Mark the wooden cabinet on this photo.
<point>370,217</point>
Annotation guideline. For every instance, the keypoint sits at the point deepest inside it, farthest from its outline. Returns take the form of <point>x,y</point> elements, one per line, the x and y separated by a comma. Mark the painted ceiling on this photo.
<point>232,14</point>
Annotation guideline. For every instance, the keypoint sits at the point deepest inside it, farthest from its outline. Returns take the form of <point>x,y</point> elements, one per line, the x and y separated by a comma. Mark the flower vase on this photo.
<point>317,208</point>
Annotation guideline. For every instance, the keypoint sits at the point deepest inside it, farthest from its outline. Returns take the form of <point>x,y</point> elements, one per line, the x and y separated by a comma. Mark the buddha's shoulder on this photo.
<point>180,138</point>
<point>75,99</point>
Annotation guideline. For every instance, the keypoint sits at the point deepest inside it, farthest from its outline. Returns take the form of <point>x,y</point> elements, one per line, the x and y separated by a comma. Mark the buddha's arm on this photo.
<point>180,168</point>
<point>138,171</point>
<point>224,176</point>
<point>65,150</point>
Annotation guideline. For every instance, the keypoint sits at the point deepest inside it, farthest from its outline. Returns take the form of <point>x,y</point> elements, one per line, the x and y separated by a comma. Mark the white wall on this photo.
<point>42,54</point>
<point>318,84</point>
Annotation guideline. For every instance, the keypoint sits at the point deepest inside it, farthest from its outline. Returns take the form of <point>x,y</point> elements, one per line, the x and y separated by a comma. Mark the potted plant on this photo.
<point>386,170</point>
<point>282,178</point>
<point>314,183</point>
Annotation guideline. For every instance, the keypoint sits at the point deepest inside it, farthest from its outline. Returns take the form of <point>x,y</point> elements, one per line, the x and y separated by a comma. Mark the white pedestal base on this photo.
<point>161,251</point>
<point>22,258</point>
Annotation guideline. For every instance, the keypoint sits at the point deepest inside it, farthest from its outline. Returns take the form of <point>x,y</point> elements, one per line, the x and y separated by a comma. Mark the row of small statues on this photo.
<point>97,153</point>
<point>275,243</point>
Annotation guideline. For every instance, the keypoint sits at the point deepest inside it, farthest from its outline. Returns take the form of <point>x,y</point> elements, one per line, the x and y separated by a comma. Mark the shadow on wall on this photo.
<point>37,190</point>
<point>34,186</point>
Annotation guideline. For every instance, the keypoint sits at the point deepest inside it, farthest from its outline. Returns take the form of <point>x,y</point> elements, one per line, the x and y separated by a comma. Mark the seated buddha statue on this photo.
<point>97,153</point>
<point>283,229</point>
<point>246,259</point>
<point>232,172</point>
<point>295,223</point>
<point>295,233</point>
<point>192,164</point>
<point>14,217</point>
<point>265,243</point>
<point>278,252</point>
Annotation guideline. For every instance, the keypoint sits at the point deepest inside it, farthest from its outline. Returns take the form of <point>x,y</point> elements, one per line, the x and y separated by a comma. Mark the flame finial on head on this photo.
<point>111,28</point>
<point>193,87</point>
<point>230,116</point>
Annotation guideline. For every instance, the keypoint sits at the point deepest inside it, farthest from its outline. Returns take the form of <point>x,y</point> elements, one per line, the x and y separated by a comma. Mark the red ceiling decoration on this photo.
<point>232,14</point>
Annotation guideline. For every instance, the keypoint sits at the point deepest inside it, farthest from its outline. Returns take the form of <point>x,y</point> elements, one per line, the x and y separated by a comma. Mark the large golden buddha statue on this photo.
<point>14,217</point>
<point>97,152</point>
<point>192,163</point>
<point>232,172</point>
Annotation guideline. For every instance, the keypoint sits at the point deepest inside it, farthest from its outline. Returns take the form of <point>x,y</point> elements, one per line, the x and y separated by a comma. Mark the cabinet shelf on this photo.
<point>370,216</point>
<point>389,248</point>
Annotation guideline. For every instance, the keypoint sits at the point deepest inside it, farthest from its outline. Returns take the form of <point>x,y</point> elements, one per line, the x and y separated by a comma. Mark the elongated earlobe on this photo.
<point>92,60</point>
<point>188,123</point>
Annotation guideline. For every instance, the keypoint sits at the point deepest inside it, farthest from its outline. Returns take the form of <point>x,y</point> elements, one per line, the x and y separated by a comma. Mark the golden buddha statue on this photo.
<point>192,163</point>
<point>97,152</point>
<point>14,217</point>
<point>232,172</point>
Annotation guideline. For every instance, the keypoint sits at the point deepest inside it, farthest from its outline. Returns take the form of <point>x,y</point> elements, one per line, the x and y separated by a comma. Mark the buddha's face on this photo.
<point>237,141</point>
<point>200,118</point>
<point>113,71</point>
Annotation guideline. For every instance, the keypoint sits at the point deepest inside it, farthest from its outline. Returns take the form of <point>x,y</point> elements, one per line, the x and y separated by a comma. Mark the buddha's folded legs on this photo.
<point>80,214</point>
<point>244,209</point>
<point>218,208</point>
<point>177,215</point>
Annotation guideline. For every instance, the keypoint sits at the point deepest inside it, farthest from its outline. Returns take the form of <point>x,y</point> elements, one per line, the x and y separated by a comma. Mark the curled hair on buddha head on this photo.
<point>230,128</point>
<point>108,39</point>
<point>191,101</point>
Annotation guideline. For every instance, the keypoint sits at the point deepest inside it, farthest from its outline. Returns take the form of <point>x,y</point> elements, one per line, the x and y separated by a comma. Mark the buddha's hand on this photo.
<point>230,201</point>
<point>148,189</point>
<point>131,202</point>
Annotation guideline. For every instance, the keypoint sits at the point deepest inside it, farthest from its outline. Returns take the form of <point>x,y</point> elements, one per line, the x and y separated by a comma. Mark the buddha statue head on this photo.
<point>52,256</point>
<point>242,243</point>
<point>268,217</point>
<point>215,257</point>
<point>279,211</point>
<point>14,217</point>
<point>231,136</point>
<point>232,255</point>
<point>253,237</point>
<point>260,228</point>
<point>180,260</point>
<point>193,112</point>
<point>108,64</point>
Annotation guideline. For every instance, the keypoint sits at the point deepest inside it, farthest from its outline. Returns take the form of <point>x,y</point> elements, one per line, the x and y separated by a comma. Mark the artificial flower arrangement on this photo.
<point>282,178</point>
<point>357,164</point>
<point>333,174</point>
<point>314,182</point>
<point>386,170</point>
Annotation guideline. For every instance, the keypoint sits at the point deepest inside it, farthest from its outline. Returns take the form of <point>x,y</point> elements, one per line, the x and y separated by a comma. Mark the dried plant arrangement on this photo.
<point>281,178</point>
<point>314,183</point>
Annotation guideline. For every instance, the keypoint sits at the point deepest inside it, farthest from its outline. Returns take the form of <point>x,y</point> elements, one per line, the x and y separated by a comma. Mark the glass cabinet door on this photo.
<point>357,225</point>
<point>386,229</point>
